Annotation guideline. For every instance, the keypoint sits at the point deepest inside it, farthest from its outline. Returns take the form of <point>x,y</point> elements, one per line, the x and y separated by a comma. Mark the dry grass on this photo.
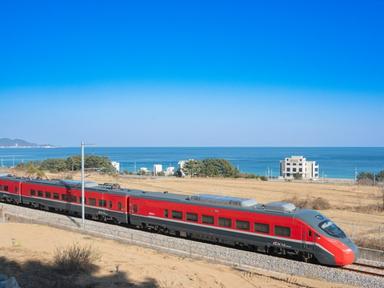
<point>75,259</point>
<point>310,203</point>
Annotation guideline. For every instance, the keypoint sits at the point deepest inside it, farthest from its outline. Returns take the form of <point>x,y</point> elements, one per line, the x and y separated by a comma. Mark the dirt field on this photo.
<point>26,252</point>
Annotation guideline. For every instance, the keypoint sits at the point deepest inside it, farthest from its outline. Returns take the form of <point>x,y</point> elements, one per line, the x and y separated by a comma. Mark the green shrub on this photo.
<point>211,167</point>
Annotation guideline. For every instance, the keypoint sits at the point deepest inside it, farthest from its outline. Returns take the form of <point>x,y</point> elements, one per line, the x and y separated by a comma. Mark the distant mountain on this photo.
<point>20,143</point>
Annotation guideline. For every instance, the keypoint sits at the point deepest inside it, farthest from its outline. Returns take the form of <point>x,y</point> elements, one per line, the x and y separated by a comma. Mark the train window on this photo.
<point>55,196</point>
<point>47,194</point>
<point>332,229</point>
<point>110,204</point>
<point>166,213</point>
<point>282,231</point>
<point>225,222</point>
<point>310,233</point>
<point>243,225</point>
<point>33,192</point>
<point>192,217</point>
<point>102,203</point>
<point>73,198</point>
<point>92,201</point>
<point>135,208</point>
<point>16,189</point>
<point>262,228</point>
<point>119,206</point>
<point>40,193</point>
<point>207,219</point>
<point>177,214</point>
<point>5,188</point>
<point>64,197</point>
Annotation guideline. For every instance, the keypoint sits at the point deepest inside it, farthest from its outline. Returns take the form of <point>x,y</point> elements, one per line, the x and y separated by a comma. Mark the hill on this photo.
<point>20,143</point>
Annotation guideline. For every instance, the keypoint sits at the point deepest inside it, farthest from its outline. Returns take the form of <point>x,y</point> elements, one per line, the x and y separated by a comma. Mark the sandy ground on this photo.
<point>26,252</point>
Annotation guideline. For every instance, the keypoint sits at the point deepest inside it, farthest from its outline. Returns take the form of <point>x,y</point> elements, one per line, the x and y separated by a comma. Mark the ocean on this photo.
<point>336,162</point>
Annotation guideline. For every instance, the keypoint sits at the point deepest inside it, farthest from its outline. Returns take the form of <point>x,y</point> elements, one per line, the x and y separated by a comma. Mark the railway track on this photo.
<point>367,269</point>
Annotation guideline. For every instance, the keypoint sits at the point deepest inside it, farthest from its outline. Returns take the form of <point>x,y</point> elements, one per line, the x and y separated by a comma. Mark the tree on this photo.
<point>218,168</point>
<point>380,176</point>
<point>192,168</point>
<point>365,178</point>
<point>210,168</point>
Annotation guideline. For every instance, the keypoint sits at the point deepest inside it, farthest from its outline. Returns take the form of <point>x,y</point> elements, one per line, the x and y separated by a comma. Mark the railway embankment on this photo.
<point>187,248</point>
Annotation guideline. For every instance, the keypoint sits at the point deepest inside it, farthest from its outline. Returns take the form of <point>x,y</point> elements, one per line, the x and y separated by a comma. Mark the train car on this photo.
<point>101,202</point>
<point>275,228</point>
<point>10,189</point>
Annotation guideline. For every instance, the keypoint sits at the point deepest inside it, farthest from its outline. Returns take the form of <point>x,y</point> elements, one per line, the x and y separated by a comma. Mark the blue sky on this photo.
<point>193,73</point>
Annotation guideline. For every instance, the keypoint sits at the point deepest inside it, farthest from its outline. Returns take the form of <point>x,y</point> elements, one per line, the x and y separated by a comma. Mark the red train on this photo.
<point>275,228</point>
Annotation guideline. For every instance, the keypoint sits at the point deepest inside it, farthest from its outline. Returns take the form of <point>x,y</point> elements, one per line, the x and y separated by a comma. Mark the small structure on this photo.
<point>298,167</point>
<point>170,171</point>
<point>143,171</point>
<point>157,168</point>
<point>116,165</point>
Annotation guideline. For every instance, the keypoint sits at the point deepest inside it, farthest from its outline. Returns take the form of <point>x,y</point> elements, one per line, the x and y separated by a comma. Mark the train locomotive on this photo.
<point>276,228</point>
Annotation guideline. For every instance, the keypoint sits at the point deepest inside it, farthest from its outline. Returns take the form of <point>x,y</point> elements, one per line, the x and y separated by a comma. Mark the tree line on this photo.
<point>213,167</point>
<point>370,178</point>
<point>72,163</point>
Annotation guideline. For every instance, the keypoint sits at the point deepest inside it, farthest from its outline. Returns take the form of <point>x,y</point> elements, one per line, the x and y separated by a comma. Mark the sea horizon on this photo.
<point>334,162</point>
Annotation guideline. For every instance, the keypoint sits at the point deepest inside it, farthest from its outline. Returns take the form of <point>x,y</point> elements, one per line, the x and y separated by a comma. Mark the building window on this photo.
<point>225,222</point>
<point>294,170</point>
<point>282,231</point>
<point>55,196</point>
<point>289,169</point>
<point>33,192</point>
<point>300,169</point>
<point>192,217</point>
<point>207,219</point>
<point>166,213</point>
<point>40,193</point>
<point>47,194</point>
<point>262,228</point>
<point>243,225</point>
<point>288,174</point>
<point>177,215</point>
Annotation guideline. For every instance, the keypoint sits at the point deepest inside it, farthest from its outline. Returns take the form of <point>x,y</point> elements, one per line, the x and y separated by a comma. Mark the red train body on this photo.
<point>275,228</point>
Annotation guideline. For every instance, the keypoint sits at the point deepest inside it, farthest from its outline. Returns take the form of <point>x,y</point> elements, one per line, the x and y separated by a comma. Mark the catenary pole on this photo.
<point>82,186</point>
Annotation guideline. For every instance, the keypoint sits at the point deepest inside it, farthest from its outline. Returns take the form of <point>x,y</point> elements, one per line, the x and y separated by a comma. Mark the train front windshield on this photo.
<point>332,229</point>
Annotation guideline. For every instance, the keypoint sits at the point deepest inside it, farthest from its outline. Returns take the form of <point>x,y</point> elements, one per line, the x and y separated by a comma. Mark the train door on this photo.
<point>308,238</point>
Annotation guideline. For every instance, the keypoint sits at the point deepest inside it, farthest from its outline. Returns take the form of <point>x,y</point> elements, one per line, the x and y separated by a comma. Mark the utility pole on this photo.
<point>82,185</point>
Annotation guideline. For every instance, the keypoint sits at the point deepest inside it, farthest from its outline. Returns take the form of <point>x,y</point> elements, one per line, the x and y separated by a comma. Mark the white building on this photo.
<point>157,168</point>
<point>298,166</point>
<point>170,171</point>
<point>116,165</point>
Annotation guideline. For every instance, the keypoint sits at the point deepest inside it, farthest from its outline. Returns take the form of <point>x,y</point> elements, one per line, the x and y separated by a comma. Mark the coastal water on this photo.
<point>334,162</point>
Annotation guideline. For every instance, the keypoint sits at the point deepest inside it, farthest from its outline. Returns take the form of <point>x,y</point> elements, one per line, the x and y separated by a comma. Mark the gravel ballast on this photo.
<point>196,249</point>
